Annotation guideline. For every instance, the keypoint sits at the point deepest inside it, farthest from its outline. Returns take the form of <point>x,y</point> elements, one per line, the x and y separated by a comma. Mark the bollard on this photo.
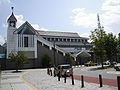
<point>59,76</point>
<point>82,81</point>
<point>100,80</point>
<point>65,77</point>
<point>72,79</point>
<point>118,82</point>
<point>54,73</point>
<point>47,71</point>
<point>51,72</point>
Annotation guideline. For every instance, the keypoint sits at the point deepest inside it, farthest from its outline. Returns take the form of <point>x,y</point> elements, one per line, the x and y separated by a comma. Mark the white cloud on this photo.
<point>111,6</point>
<point>44,29</point>
<point>2,41</point>
<point>110,14</point>
<point>20,20</point>
<point>4,1</point>
<point>37,27</point>
<point>85,35</point>
<point>82,18</point>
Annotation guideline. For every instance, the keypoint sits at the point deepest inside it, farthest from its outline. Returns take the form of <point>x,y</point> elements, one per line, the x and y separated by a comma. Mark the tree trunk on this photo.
<point>16,68</point>
<point>102,62</point>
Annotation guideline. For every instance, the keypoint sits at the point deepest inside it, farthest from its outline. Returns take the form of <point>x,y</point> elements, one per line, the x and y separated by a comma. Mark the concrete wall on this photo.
<point>36,62</point>
<point>42,50</point>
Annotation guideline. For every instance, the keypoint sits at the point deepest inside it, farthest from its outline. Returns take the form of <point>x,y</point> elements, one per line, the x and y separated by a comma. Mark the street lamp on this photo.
<point>54,54</point>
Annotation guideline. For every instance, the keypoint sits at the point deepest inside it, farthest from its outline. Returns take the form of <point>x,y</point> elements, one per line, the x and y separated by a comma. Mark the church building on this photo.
<point>36,43</point>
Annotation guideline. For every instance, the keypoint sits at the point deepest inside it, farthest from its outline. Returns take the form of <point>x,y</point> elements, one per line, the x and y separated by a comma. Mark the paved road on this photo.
<point>109,76</point>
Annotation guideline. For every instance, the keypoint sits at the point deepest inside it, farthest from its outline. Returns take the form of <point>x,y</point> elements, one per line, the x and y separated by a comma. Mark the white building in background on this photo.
<point>68,41</point>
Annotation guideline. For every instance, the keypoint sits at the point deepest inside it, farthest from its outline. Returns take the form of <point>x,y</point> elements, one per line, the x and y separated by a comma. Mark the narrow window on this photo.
<point>78,40</point>
<point>68,40</point>
<point>48,39</point>
<point>75,40</point>
<point>64,40</point>
<point>60,39</point>
<point>25,41</point>
<point>71,40</point>
<point>56,39</point>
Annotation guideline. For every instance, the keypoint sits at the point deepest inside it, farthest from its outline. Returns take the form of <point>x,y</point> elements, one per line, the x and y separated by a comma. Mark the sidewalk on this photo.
<point>13,81</point>
<point>37,79</point>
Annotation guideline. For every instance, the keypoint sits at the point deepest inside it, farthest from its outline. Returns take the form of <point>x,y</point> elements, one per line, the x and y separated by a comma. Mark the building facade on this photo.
<point>68,41</point>
<point>36,43</point>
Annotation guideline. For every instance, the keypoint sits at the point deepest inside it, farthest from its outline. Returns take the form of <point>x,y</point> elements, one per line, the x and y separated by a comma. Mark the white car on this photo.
<point>65,68</point>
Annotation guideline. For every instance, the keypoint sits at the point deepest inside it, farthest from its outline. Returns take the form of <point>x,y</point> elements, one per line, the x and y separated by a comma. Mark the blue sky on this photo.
<point>62,15</point>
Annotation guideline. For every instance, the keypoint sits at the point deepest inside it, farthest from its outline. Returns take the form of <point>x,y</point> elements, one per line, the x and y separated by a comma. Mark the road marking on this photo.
<point>113,72</point>
<point>27,82</point>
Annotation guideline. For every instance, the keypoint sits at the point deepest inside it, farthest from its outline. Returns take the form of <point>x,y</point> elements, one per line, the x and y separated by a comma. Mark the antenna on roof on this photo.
<point>98,19</point>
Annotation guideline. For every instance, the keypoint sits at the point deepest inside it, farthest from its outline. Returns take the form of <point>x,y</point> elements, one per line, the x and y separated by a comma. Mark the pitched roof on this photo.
<point>26,28</point>
<point>58,34</point>
<point>83,53</point>
<point>48,33</point>
<point>12,18</point>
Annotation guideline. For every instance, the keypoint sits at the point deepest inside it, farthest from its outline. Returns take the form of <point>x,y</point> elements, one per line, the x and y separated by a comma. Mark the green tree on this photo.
<point>97,38</point>
<point>69,59</point>
<point>46,61</point>
<point>118,48</point>
<point>19,59</point>
<point>110,46</point>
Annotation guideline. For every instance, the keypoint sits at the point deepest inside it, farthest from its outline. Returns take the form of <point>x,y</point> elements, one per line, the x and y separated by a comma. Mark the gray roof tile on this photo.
<point>58,34</point>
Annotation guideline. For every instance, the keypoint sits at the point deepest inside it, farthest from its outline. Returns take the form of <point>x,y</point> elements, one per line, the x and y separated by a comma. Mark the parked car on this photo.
<point>106,63</point>
<point>64,68</point>
<point>117,67</point>
<point>113,63</point>
<point>90,63</point>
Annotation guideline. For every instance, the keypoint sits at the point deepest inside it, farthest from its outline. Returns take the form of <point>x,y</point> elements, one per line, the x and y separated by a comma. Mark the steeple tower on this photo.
<point>12,20</point>
<point>11,36</point>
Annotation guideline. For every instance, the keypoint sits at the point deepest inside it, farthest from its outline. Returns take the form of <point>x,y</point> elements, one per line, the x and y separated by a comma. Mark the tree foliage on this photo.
<point>97,38</point>
<point>118,47</point>
<point>110,46</point>
<point>18,58</point>
<point>46,61</point>
<point>69,59</point>
<point>105,46</point>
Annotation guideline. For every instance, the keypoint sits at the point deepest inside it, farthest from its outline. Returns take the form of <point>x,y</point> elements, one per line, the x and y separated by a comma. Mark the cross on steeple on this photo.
<point>12,8</point>
<point>12,19</point>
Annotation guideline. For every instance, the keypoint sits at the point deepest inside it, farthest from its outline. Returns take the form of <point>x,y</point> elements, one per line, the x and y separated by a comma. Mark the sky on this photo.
<point>78,16</point>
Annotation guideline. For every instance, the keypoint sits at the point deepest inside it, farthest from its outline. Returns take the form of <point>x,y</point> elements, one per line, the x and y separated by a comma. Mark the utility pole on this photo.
<point>100,29</point>
<point>0,75</point>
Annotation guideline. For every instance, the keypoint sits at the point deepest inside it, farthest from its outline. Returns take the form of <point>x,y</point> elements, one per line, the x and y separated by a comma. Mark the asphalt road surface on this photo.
<point>107,73</point>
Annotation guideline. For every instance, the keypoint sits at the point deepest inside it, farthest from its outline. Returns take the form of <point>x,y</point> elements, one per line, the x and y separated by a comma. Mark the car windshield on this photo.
<point>66,67</point>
